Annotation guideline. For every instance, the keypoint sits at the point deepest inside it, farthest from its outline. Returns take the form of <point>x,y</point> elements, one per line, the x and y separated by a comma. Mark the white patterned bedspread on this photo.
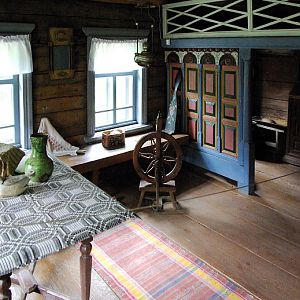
<point>54,215</point>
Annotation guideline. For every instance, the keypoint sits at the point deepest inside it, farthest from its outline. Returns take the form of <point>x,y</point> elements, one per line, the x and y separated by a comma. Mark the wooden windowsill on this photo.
<point>97,157</point>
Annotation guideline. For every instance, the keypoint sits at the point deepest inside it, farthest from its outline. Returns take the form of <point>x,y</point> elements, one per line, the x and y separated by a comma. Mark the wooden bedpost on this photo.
<point>85,268</point>
<point>5,283</point>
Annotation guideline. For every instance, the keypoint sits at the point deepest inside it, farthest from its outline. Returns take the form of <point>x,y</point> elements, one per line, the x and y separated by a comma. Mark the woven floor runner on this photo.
<point>139,262</point>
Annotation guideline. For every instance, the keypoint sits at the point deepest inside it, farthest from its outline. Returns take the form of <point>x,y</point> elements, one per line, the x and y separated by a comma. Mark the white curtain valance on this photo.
<point>112,56</point>
<point>15,54</point>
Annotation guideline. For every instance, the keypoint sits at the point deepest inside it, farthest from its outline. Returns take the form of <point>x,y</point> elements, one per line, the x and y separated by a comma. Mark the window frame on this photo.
<point>141,111</point>
<point>14,81</point>
<point>25,85</point>
<point>114,109</point>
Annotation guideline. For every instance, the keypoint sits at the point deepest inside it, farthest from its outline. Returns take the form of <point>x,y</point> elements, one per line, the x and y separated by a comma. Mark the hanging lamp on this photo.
<point>146,57</point>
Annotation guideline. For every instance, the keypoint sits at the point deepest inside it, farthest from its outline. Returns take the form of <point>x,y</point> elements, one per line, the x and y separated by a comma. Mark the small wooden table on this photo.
<point>97,157</point>
<point>52,216</point>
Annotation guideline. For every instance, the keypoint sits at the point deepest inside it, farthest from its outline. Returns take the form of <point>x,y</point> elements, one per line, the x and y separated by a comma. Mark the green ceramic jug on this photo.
<point>39,166</point>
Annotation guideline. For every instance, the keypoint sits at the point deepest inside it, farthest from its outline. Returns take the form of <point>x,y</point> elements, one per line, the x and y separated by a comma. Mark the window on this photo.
<point>117,88</point>
<point>115,99</point>
<point>9,107</point>
<point>15,84</point>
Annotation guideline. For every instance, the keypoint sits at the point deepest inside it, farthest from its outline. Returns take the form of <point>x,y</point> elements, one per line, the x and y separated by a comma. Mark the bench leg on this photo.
<point>85,268</point>
<point>5,283</point>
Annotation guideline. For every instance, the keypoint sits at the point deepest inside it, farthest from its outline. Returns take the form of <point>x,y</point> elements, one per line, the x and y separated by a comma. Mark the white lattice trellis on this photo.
<point>231,18</point>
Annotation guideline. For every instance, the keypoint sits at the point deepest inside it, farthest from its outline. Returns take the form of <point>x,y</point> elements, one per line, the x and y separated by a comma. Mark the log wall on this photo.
<point>274,75</point>
<point>64,101</point>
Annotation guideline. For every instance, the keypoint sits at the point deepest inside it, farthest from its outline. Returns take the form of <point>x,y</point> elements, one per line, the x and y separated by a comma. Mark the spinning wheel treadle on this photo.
<point>157,159</point>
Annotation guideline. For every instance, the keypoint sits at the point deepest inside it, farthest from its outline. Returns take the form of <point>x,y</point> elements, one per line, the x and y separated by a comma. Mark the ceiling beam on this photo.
<point>134,2</point>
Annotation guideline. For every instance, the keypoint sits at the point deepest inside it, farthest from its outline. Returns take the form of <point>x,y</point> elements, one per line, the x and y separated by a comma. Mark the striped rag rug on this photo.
<point>139,262</point>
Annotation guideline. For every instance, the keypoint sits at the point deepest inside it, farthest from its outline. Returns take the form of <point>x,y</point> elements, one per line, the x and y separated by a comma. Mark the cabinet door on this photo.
<point>192,92</point>
<point>209,106</point>
<point>229,110</point>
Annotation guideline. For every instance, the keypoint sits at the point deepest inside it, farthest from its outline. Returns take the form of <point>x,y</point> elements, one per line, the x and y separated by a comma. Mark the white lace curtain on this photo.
<point>15,54</point>
<point>112,56</point>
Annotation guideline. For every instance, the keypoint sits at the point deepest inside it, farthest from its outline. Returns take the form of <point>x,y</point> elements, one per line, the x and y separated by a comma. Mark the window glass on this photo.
<point>124,91</point>
<point>104,119</point>
<point>9,107</point>
<point>124,114</point>
<point>7,135</point>
<point>115,99</point>
<point>6,105</point>
<point>104,93</point>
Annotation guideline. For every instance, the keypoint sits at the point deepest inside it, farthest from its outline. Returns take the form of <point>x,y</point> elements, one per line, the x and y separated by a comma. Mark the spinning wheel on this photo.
<point>157,158</point>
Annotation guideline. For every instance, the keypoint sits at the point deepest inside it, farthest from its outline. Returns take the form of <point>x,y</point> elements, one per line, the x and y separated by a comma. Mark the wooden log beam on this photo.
<point>134,2</point>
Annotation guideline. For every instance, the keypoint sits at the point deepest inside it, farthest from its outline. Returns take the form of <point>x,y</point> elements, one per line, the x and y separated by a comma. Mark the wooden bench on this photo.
<point>97,157</point>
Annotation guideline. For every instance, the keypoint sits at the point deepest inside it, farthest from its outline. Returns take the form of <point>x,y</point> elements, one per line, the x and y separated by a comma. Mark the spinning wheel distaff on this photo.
<point>157,159</point>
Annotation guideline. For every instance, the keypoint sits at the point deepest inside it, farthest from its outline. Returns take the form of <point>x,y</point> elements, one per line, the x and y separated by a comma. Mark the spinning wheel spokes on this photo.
<point>149,163</point>
<point>146,155</point>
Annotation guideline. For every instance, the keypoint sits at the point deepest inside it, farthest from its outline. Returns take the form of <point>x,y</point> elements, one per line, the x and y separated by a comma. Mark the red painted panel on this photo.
<point>192,85</point>
<point>209,87</point>
<point>229,139</point>
<point>192,105</point>
<point>209,108</point>
<point>192,125</point>
<point>229,112</point>
<point>229,84</point>
<point>210,134</point>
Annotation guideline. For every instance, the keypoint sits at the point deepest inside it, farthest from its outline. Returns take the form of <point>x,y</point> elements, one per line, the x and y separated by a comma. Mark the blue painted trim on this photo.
<point>17,109</point>
<point>16,28</point>
<point>219,136</point>
<point>26,83</point>
<point>183,99</point>
<point>247,42</point>
<point>200,105</point>
<point>208,161</point>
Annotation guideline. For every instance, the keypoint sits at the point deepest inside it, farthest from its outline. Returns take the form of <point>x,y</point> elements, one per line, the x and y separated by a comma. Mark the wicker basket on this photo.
<point>113,139</point>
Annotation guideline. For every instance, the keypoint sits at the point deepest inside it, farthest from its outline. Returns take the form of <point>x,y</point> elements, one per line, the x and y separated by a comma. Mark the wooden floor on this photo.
<point>255,240</point>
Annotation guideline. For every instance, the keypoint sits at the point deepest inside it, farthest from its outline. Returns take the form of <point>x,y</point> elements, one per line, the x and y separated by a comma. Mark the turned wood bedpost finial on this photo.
<point>85,268</point>
<point>5,283</point>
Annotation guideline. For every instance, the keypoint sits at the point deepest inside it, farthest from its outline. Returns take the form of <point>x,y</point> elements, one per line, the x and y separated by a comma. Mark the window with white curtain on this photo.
<point>116,84</point>
<point>15,85</point>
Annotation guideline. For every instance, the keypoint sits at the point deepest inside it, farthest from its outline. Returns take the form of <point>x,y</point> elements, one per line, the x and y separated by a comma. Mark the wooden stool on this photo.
<point>168,187</point>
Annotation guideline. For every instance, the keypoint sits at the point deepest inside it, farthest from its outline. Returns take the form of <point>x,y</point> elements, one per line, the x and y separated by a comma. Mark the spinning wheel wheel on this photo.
<point>157,159</point>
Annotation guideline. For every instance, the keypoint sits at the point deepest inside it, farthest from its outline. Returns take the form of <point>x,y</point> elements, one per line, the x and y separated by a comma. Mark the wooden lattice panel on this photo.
<point>204,18</point>
<point>209,106</point>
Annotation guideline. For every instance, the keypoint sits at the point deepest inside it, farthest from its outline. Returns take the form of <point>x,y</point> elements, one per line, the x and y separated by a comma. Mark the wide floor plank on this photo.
<point>246,268</point>
<point>255,240</point>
